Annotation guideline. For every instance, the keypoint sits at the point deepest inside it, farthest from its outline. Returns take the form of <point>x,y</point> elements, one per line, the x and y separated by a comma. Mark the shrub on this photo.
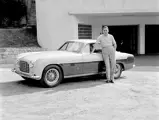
<point>12,12</point>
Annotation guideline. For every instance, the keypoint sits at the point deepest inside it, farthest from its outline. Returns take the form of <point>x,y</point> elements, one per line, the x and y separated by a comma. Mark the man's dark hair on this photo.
<point>105,27</point>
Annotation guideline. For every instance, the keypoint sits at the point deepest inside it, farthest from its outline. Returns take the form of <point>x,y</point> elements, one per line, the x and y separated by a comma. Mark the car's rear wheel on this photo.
<point>52,76</point>
<point>118,71</point>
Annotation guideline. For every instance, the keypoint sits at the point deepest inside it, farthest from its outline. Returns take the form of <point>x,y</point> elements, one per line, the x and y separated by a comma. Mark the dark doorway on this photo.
<point>126,37</point>
<point>151,39</point>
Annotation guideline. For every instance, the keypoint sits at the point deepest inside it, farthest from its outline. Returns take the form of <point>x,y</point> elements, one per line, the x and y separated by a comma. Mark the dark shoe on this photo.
<point>111,81</point>
<point>107,81</point>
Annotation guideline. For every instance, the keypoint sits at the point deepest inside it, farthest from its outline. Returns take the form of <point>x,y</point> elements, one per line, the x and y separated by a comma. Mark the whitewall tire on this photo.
<point>118,71</point>
<point>52,76</point>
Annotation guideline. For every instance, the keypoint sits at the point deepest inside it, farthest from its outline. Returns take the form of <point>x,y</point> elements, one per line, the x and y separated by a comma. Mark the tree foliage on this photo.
<point>12,12</point>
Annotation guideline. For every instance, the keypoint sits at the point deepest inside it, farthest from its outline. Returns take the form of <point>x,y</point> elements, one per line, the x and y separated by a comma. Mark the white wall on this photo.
<point>55,25</point>
<point>116,5</point>
<point>132,4</point>
<point>97,21</point>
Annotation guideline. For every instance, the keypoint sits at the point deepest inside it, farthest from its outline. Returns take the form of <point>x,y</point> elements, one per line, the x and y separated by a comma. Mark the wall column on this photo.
<point>141,42</point>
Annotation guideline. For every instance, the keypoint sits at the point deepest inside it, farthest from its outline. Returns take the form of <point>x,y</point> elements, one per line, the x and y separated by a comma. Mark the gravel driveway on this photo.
<point>134,96</point>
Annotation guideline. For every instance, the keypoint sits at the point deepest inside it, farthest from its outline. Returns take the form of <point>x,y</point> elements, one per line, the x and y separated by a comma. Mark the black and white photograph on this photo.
<point>79,59</point>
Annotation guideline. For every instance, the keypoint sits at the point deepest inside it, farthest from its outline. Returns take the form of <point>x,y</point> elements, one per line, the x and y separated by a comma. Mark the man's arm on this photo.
<point>96,44</point>
<point>114,43</point>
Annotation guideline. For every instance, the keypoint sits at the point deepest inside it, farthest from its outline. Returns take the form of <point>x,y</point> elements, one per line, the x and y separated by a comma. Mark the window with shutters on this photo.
<point>84,31</point>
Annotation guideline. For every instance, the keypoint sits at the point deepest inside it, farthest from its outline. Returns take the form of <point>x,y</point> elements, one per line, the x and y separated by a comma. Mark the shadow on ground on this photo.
<point>32,86</point>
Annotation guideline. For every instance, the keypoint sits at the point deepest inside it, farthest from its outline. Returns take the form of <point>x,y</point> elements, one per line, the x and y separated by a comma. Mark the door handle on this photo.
<point>72,64</point>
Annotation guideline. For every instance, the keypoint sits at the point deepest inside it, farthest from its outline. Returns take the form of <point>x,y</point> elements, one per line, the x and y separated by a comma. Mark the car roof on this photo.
<point>86,41</point>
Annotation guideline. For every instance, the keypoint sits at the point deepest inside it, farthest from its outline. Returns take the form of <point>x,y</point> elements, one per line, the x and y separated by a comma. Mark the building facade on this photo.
<point>134,23</point>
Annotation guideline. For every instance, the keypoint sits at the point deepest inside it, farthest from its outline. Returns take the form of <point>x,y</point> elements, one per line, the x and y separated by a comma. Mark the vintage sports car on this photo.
<point>74,58</point>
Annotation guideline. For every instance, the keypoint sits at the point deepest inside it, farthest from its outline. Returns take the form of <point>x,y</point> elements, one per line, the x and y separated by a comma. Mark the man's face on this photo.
<point>105,31</point>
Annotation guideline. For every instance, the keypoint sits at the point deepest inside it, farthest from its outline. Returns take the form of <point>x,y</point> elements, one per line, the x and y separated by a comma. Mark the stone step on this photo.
<point>8,55</point>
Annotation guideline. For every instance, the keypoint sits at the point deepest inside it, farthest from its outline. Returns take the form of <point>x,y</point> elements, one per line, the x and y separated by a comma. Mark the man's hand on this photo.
<point>93,48</point>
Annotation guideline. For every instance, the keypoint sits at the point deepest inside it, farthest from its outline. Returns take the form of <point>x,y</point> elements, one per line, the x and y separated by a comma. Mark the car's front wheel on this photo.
<point>118,71</point>
<point>52,76</point>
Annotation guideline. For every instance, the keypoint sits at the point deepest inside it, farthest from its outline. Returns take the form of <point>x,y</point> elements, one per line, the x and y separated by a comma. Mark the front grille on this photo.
<point>24,66</point>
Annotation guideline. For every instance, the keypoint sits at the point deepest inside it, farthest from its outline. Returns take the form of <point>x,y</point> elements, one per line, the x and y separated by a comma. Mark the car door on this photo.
<point>91,61</point>
<point>73,62</point>
<point>74,67</point>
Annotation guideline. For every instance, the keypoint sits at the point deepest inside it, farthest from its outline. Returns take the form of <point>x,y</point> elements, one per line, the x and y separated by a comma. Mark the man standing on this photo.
<point>109,46</point>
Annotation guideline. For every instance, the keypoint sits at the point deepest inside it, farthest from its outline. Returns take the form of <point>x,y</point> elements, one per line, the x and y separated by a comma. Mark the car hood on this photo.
<point>33,56</point>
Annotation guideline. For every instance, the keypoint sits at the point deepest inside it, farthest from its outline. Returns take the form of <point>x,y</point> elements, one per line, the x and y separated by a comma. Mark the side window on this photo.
<point>63,47</point>
<point>86,49</point>
<point>91,47</point>
<point>98,48</point>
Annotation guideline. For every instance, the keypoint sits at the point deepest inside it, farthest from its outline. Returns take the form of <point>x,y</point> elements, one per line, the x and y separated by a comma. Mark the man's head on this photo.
<point>105,30</point>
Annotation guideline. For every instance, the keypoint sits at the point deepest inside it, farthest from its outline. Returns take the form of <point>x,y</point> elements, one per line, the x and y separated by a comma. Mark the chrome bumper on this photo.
<point>26,75</point>
<point>129,66</point>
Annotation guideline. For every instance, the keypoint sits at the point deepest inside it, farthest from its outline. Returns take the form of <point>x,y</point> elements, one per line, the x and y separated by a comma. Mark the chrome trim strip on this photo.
<point>80,75</point>
<point>26,75</point>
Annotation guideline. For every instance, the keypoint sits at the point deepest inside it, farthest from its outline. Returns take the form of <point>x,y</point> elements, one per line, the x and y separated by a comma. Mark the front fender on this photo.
<point>40,66</point>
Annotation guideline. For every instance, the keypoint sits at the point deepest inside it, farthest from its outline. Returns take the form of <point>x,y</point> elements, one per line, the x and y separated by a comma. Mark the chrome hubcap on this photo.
<point>52,75</point>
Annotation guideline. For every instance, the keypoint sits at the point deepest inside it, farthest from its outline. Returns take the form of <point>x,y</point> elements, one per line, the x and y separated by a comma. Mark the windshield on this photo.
<point>71,46</point>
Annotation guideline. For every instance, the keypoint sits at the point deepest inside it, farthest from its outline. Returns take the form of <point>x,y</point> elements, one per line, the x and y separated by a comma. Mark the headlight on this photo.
<point>31,64</point>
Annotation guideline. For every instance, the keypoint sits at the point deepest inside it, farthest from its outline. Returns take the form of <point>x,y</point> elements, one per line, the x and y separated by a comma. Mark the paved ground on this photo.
<point>134,96</point>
